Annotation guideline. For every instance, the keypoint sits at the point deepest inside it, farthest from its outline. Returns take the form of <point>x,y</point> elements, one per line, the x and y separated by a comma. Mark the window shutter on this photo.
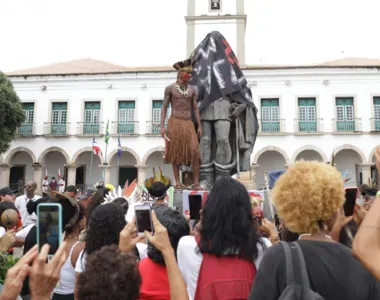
<point>96,116</point>
<point>130,116</point>
<point>340,113</point>
<point>122,116</point>
<point>156,117</point>
<point>311,113</point>
<point>265,114</point>
<point>302,113</point>
<point>88,116</point>
<point>275,114</point>
<point>349,113</point>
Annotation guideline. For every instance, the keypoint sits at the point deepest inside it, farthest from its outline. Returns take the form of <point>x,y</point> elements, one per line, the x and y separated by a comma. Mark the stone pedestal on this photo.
<point>106,170</point>
<point>38,178</point>
<point>188,178</point>
<point>71,174</point>
<point>245,179</point>
<point>141,173</point>
<point>5,175</point>
<point>248,179</point>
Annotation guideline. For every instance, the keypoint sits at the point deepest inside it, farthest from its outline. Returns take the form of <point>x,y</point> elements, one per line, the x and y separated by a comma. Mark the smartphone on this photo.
<point>195,205</point>
<point>351,194</point>
<point>143,215</point>
<point>49,226</point>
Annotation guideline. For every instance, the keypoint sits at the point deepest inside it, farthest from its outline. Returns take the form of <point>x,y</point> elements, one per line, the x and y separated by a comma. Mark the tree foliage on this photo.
<point>11,113</point>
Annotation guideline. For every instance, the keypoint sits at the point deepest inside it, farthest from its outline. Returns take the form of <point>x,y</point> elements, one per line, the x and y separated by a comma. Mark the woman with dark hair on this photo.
<point>227,237</point>
<point>96,200</point>
<point>155,284</point>
<point>65,290</point>
<point>104,226</point>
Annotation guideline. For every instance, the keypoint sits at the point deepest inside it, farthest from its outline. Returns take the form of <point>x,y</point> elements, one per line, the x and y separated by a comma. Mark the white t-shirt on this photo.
<point>189,261</point>
<point>81,262</point>
<point>20,204</point>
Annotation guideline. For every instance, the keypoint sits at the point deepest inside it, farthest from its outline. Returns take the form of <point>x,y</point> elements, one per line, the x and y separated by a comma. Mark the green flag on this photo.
<point>107,137</point>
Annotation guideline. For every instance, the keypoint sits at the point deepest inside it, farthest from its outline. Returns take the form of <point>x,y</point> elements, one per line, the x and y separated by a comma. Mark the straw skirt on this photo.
<point>183,147</point>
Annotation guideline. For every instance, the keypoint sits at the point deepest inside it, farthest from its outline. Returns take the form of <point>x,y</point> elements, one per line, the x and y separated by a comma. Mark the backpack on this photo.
<point>225,277</point>
<point>297,283</point>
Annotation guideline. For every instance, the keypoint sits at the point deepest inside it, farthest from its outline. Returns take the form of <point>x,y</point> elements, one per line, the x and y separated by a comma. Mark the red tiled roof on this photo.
<point>90,66</point>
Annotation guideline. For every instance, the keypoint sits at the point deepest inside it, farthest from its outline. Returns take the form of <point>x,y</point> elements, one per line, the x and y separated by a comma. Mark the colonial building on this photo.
<point>305,112</point>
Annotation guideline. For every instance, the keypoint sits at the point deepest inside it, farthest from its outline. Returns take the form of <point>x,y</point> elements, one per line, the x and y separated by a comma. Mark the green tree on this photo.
<point>11,113</point>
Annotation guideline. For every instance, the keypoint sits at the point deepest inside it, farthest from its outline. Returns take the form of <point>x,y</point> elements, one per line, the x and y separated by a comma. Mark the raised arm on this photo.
<point>164,109</point>
<point>366,246</point>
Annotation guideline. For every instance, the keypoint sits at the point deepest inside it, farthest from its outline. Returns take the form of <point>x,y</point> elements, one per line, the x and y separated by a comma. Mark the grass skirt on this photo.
<point>183,148</point>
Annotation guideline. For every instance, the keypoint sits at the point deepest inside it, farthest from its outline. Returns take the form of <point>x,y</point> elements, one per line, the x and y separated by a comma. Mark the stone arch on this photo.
<point>151,151</point>
<point>54,149</point>
<point>354,148</point>
<point>372,154</point>
<point>309,148</point>
<point>125,149</point>
<point>84,150</point>
<point>1,159</point>
<point>271,148</point>
<point>9,157</point>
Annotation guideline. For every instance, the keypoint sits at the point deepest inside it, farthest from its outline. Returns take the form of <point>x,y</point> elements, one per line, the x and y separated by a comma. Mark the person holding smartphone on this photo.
<point>366,246</point>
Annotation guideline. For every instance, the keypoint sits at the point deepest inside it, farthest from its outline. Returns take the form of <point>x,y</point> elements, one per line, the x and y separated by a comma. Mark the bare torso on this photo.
<point>181,105</point>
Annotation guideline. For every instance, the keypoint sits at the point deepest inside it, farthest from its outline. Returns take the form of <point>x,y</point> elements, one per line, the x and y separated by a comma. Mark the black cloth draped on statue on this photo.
<point>217,74</point>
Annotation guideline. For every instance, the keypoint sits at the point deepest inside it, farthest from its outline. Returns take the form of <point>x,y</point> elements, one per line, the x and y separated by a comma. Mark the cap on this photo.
<point>87,194</point>
<point>6,191</point>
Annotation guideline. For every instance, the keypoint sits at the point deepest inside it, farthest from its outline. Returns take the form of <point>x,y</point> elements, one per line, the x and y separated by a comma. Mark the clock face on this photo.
<point>215,4</point>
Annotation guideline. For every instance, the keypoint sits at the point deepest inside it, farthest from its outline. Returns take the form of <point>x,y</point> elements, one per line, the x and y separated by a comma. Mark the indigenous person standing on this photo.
<point>62,185</point>
<point>182,141</point>
<point>45,185</point>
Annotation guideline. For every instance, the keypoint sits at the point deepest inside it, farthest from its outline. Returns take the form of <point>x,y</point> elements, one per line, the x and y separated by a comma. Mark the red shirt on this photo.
<point>155,282</point>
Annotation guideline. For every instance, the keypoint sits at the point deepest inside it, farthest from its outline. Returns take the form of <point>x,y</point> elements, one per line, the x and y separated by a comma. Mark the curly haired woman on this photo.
<point>307,197</point>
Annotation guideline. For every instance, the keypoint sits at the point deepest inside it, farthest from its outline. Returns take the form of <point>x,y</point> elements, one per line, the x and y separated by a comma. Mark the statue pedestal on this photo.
<point>181,197</point>
<point>187,178</point>
<point>246,180</point>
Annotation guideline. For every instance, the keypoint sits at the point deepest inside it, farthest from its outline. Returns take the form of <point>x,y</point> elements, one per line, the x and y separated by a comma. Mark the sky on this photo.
<point>153,32</point>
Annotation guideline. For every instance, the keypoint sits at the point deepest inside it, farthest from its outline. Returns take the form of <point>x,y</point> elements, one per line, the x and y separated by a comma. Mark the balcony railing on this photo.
<point>126,128</point>
<point>375,124</point>
<point>90,129</point>
<point>272,126</point>
<point>153,128</point>
<point>54,129</point>
<point>26,130</point>
<point>300,126</point>
<point>354,125</point>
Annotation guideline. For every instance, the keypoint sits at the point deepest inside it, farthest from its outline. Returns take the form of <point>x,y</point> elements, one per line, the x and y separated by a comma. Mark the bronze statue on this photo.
<point>227,112</point>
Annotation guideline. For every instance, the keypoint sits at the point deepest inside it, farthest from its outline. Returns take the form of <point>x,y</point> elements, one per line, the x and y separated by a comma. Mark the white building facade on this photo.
<point>304,113</point>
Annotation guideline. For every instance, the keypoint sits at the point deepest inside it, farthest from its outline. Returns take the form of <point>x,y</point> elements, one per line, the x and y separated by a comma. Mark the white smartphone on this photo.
<point>143,215</point>
<point>49,226</point>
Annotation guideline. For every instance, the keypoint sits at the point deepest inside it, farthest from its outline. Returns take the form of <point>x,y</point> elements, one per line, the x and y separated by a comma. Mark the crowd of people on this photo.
<point>310,250</point>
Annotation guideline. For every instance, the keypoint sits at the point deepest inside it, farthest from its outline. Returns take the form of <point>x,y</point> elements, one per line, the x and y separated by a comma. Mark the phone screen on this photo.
<point>195,204</point>
<point>349,205</point>
<point>49,231</point>
<point>143,219</point>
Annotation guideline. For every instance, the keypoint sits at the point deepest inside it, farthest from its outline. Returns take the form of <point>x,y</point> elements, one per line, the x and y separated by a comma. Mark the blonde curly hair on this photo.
<point>308,193</point>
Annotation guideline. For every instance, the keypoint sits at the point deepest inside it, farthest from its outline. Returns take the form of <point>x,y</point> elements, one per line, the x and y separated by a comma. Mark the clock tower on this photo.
<point>226,16</point>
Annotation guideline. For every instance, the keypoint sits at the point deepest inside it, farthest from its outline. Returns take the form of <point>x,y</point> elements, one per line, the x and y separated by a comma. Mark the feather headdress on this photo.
<point>157,177</point>
<point>131,192</point>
